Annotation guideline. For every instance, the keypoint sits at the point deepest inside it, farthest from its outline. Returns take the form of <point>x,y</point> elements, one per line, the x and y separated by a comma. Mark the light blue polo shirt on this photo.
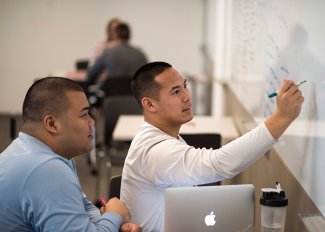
<point>40,191</point>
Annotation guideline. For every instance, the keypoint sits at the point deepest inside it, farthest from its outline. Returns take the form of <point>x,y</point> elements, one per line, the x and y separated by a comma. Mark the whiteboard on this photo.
<point>273,40</point>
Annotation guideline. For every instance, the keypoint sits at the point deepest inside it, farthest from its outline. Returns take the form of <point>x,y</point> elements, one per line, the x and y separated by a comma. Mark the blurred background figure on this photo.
<point>120,61</point>
<point>108,43</point>
<point>78,30</point>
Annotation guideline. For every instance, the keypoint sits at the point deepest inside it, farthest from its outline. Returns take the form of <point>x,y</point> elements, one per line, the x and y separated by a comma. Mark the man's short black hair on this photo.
<point>48,96</point>
<point>122,31</point>
<point>143,82</point>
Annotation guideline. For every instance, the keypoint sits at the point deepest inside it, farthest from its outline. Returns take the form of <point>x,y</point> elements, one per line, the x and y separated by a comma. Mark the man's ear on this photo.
<point>52,124</point>
<point>149,104</point>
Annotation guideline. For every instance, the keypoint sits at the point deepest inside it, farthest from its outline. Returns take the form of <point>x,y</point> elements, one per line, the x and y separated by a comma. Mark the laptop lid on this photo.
<point>225,208</point>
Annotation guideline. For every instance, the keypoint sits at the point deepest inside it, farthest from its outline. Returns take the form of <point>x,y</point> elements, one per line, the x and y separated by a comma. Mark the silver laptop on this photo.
<point>226,208</point>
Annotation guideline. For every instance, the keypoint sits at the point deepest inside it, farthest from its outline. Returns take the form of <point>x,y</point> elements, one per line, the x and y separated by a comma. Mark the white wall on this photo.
<point>38,37</point>
<point>221,53</point>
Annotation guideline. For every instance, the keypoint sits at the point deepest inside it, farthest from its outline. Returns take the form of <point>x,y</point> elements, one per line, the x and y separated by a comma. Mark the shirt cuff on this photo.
<point>114,218</point>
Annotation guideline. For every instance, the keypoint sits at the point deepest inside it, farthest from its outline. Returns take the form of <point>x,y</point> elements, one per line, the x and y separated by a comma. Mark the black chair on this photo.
<point>85,86</point>
<point>203,140</point>
<point>82,64</point>
<point>118,86</point>
<point>115,187</point>
<point>113,108</point>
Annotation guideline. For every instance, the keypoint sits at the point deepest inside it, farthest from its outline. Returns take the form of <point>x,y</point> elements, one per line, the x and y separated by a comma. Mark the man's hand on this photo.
<point>289,101</point>
<point>130,227</point>
<point>114,205</point>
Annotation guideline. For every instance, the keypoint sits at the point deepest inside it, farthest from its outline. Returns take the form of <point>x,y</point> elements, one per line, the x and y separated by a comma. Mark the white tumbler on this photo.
<point>273,209</point>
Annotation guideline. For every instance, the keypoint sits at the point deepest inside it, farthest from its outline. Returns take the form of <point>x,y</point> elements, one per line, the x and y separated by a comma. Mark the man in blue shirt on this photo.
<point>39,187</point>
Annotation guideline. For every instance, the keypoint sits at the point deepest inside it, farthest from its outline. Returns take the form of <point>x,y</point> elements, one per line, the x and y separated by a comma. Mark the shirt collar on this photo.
<point>32,143</point>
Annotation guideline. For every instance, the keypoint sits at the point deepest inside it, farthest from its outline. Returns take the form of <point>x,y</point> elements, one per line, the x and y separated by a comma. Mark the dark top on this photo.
<point>122,60</point>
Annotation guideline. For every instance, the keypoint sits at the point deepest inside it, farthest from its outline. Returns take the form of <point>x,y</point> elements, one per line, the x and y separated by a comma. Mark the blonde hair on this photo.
<point>109,30</point>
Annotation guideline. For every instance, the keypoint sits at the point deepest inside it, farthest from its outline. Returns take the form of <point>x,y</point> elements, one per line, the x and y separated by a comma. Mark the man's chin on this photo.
<point>188,119</point>
<point>89,148</point>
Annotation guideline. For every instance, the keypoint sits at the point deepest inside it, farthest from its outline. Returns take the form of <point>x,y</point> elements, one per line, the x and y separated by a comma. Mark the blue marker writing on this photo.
<point>274,94</point>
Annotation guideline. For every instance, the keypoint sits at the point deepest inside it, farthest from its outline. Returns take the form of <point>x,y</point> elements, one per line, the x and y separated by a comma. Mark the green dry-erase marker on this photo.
<point>274,94</point>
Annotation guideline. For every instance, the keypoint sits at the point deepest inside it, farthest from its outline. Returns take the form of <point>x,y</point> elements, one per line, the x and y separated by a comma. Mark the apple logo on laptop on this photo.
<point>209,219</point>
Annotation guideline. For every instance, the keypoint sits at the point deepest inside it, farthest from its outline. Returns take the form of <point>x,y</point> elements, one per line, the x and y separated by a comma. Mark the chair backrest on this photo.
<point>113,108</point>
<point>115,187</point>
<point>203,140</point>
<point>118,86</point>
<point>85,85</point>
<point>82,64</point>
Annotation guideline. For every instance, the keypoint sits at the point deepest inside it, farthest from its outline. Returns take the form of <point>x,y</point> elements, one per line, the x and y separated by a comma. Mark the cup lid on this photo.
<point>273,197</point>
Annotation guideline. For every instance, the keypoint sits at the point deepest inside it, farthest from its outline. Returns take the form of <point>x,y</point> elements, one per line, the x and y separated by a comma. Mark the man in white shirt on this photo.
<point>159,158</point>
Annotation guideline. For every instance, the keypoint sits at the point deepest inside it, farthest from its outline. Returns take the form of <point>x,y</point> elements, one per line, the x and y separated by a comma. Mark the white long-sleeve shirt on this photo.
<point>157,161</point>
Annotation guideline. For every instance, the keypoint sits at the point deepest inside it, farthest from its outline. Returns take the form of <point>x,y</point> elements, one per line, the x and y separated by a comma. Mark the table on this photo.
<point>128,126</point>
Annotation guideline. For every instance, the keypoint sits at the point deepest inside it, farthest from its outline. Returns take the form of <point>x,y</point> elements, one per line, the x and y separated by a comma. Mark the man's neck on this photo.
<point>118,41</point>
<point>172,130</point>
<point>47,140</point>
<point>34,131</point>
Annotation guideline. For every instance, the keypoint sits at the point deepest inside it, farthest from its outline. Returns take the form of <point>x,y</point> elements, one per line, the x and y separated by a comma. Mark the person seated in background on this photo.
<point>159,158</point>
<point>110,41</point>
<point>39,187</point>
<point>123,60</point>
